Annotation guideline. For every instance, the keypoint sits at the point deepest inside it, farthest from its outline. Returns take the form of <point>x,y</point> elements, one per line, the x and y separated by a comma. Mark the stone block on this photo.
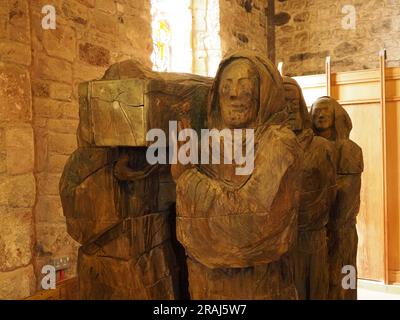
<point>16,228</point>
<point>53,240</point>
<point>63,126</point>
<point>18,20</point>
<point>20,150</point>
<point>104,22</point>
<point>60,43</point>
<point>3,162</point>
<point>76,12</point>
<point>48,210</point>
<point>47,183</point>
<point>11,51</point>
<point>41,89</point>
<point>62,143</point>
<point>17,284</point>
<point>86,72</point>
<point>48,108</point>
<point>88,3</point>
<point>15,93</point>
<point>18,191</point>
<point>56,162</point>
<point>47,68</point>
<point>60,91</point>
<point>94,55</point>
<point>106,6</point>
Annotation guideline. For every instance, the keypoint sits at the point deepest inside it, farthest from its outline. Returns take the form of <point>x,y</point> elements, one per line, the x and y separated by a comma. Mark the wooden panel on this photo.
<point>313,87</point>
<point>359,76</point>
<point>393,173</point>
<point>356,87</point>
<point>370,224</point>
<point>393,191</point>
<point>394,277</point>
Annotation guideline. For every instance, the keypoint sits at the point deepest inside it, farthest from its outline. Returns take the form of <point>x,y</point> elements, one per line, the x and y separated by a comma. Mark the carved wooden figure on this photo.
<point>318,187</point>
<point>116,204</point>
<point>237,230</point>
<point>331,121</point>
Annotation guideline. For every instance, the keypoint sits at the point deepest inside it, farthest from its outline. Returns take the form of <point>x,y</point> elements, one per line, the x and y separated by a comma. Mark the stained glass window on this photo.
<point>172,35</point>
<point>186,36</point>
<point>161,56</point>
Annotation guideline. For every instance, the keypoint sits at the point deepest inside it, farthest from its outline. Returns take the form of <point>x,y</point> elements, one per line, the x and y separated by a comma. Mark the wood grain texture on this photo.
<point>317,195</point>
<point>116,204</point>
<point>331,121</point>
<point>130,100</point>
<point>240,237</point>
<point>238,233</point>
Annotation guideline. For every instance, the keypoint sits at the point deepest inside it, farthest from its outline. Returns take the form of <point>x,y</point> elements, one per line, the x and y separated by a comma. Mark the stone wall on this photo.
<point>243,25</point>
<point>17,181</point>
<point>206,39</point>
<point>309,30</point>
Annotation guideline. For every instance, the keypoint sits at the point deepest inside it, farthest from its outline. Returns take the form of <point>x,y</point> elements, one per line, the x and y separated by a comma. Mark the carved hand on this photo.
<point>123,172</point>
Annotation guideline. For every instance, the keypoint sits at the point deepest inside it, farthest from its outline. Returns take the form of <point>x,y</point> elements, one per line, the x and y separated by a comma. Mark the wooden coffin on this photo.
<point>121,108</point>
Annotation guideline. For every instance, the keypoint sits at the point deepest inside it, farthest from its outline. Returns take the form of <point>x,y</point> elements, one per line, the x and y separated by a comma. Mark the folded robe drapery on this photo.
<point>253,225</point>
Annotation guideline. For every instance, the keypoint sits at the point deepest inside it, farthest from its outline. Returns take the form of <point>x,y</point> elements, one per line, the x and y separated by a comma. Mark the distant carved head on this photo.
<point>238,94</point>
<point>330,119</point>
<point>299,118</point>
<point>323,115</point>
<point>247,93</point>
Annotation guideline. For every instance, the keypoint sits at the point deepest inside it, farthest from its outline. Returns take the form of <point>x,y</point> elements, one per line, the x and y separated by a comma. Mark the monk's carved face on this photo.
<point>323,116</point>
<point>238,94</point>
<point>292,97</point>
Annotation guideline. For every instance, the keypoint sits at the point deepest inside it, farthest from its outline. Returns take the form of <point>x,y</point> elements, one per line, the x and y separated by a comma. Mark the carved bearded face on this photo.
<point>239,94</point>
<point>323,116</point>
<point>292,96</point>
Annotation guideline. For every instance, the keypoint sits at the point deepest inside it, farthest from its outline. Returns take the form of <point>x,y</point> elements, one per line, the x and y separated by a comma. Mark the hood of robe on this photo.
<point>271,109</point>
<point>305,116</point>
<point>343,124</point>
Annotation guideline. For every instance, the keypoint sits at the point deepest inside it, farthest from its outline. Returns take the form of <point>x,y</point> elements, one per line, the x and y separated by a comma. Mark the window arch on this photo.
<point>172,35</point>
<point>186,36</point>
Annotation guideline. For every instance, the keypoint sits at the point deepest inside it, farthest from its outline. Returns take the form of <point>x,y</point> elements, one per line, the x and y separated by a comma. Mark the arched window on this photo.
<point>172,35</point>
<point>206,37</point>
<point>186,36</point>
<point>161,56</point>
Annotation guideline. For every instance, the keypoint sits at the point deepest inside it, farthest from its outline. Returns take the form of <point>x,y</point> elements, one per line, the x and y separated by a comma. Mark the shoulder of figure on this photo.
<point>350,157</point>
<point>280,132</point>
<point>280,138</point>
<point>324,144</point>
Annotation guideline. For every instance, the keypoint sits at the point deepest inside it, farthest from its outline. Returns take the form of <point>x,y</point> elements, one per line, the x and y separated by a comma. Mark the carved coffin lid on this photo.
<point>121,112</point>
<point>114,113</point>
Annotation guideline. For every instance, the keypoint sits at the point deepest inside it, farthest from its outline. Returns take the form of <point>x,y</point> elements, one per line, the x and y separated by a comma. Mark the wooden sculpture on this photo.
<point>117,205</point>
<point>331,121</point>
<point>318,187</point>
<point>237,230</point>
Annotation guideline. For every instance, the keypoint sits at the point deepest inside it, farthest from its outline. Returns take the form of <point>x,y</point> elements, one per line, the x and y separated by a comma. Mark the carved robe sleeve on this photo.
<point>252,225</point>
<point>350,168</point>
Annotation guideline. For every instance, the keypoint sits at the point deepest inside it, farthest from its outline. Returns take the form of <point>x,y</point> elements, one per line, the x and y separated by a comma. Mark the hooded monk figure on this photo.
<point>237,230</point>
<point>331,121</point>
<point>318,187</point>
